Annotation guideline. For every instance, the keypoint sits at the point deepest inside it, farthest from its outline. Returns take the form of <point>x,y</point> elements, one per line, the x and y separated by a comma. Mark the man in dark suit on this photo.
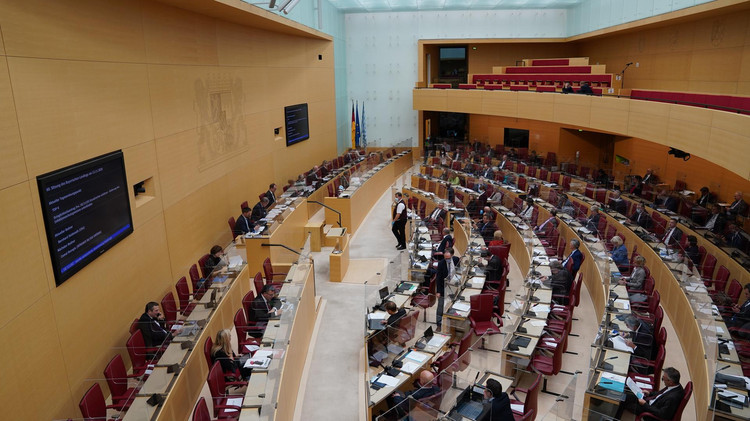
<point>152,326</point>
<point>498,402</point>
<point>487,172</point>
<point>265,305</point>
<point>446,268</point>
<point>585,89</point>
<point>592,222</point>
<point>243,224</point>
<point>445,242</point>
<point>741,312</point>
<point>394,313</point>
<point>649,178</point>
<point>560,281</point>
<point>672,234</point>
<point>716,221</point>
<point>734,237</point>
<point>438,213</point>
<point>575,258</point>
<point>271,195</point>
<point>504,164</point>
<point>641,337</point>
<point>617,203</point>
<point>487,227</point>
<point>663,403</point>
<point>671,202</point>
<point>259,210</point>
<point>738,207</point>
<point>705,198</point>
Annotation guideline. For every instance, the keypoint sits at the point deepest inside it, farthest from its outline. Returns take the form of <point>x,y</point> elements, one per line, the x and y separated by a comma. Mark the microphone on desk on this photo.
<point>628,64</point>
<point>212,302</point>
<point>612,358</point>
<point>723,368</point>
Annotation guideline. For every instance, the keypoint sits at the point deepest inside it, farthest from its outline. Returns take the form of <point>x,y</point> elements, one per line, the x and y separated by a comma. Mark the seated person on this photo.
<point>640,337</point>
<point>438,213</point>
<point>426,386</point>
<point>692,250</point>
<point>592,222</point>
<point>671,202</point>
<point>453,179</point>
<point>716,221</point>
<point>394,313</point>
<point>529,210</point>
<point>575,258</point>
<point>672,234</point>
<point>546,226</point>
<point>637,187</point>
<point>153,326</point>
<point>567,88</point>
<point>271,195</point>
<point>662,403</point>
<point>602,177</point>
<point>243,224</point>
<point>637,277</point>
<point>497,238</point>
<point>259,210</point>
<point>734,236</point>
<point>585,89</point>
<point>445,242</point>
<point>619,254</point>
<point>222,352</point>
<point>560,281</point>
<point>617,203</point>
<point>497,197</point>
<point>487,228</point>
<point>738,207</point>
<point>504,163</point>
<point>741,313</point>
<point>705,199</point>
<point>641,217</point>
<point>565,206</point>
<point>215,260</point>
<point>266,305</point>
<point>497,401</point>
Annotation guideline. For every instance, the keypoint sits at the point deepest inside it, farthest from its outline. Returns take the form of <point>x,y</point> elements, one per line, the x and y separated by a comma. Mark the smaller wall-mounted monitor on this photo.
<point>516,138</point>
<point>297,127</point>
<point>86,211</point>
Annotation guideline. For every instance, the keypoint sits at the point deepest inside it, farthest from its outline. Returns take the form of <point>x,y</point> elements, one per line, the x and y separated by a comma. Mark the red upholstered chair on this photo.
<point>246,333</point>
<point>734,291</point>
<point>528,416</point>
<point>481,315</point>
<point>201,413</point>
<point>530,402</point>
<point>231,221</point>
<point>425,297</point>
<point>93,406</point>
<point>195,279</point>
<point>331,193</point>
<point>719,282</point>
<point>139,354</point>
<point>707,269</point>
<point>269,273</point>
<point>548,363</point>
<point>422,209</point>
<point>653,367</point>
<point>207,353</point>
<point>117,380</point>
<point>183,295</point>
<point>202,264</point>
<point>218,386</point>
<point>169,309</point>
<point>647,416</point>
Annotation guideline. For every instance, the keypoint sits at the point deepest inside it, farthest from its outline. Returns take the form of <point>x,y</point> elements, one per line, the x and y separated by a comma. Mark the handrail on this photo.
<point>328,207</point>
<point>283,246</point>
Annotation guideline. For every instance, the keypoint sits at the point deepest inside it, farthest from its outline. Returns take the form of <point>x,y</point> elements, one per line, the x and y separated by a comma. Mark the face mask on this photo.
<point>481,211</point>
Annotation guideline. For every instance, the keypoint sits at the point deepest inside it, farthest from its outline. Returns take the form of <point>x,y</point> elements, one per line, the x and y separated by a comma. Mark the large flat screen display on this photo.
<point>86,211</point>
<point>297,128</point>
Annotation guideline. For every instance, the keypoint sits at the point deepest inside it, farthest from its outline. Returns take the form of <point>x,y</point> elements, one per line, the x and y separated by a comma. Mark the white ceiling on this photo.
<point>361,6</point>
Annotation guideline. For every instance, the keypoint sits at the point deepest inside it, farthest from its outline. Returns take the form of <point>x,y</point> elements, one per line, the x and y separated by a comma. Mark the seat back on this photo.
<point>202,263</point>
<point>658,364</point>
<point>709,265</point>
<point>183,292</point>
<point>240,324</point>
<point>528,415</point>
<point>200,413</point>
<point>658,318</point>
<point>481,307</point>
<point>557,358</point>
<point>92,405</point>
<point>247,301</point>
<point>722,276</point>
<point>579,282</point>
<point>169,308</point>
<point>464,351</point>
<point>422,209</point>
<point>232,223</point>
<point>136,349</point>
<point>207,350</point>
<point>685,398</point>
<point>734,291</point>
<point>244,205</point>
<point>504,251</point>
<point>531,403</point>
<point>561,249</point>
<point>117,376</point>
<point>258,282</point>
<point>194,277</point>
<point>268,269</point>
<point>216,385</point>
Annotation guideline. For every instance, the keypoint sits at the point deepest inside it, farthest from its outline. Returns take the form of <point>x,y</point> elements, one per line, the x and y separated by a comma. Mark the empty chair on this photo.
<point>140,356</point>
<point>246,334</point>
<point>530,402</point>
<point>719,282</point>
<point>201,413</point>
<point>546,364</point>
<point>231,221</point>
<point>183,295</point>
<point>117,380</point>
<point>269,273</point>
<point>169,309</point>
<point>197,282</point>
<point>639,366</point>
<point>425,296</point>
<point>92,405</point>
<point>481,315</point>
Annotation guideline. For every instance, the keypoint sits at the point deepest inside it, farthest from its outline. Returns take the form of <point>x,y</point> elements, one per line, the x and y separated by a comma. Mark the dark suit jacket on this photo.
<point>736,239</point>
<point>500,409</point>
<point>271,198</point>
<point>666,406</point>
<point>442,214</point>
<point>675,238</point>
<point>488,174</point>
<point>643,339</point>
<point>154,331</point>
<point>442,273</point>
<point>259,212</point>
<point>671,203</point>
<point>561,282</point>
<point>259,309</point>
<point>721,221</point>
<point>577,257</point>
<point>649,179</point>
<point>693,253</point>
<point>739,207</point>
<point>643,219</point>
<point>704,200</point>
<point>487,231</point>
<point>242,226</point>
<point>618,206</point>
<point>444,243</point>
<point>592,223</point>
<point>743,316</point>
<point>395,317</point>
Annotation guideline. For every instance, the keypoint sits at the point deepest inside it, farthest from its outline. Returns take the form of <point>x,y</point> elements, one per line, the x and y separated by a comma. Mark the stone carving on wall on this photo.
<point>221,130</point>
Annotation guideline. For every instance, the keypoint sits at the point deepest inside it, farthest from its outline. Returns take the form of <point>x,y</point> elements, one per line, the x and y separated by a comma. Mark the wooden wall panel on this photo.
<point>24,280</point>
<point>610,114</point>
<point>648,120</point>
<point>535,107</point>
<point>97,106</point>
<point>12,165</point>
<point>572,109</point>
<point>174,36</point>
<point>192,101</point>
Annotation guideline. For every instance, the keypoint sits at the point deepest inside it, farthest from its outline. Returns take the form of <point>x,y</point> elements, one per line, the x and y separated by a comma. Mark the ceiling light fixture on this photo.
<point>289,6</point>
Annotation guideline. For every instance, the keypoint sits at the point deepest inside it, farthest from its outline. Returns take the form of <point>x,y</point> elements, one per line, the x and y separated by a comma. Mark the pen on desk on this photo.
<point>722,368</point>
<point>612,358</point>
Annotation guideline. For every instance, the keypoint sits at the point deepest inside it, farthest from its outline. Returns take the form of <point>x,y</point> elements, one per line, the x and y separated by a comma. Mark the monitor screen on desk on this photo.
<point>297,125</point>
<point>86,210</point>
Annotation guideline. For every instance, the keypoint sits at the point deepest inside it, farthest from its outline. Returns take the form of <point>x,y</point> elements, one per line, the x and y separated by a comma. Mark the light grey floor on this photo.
<point>333,389</point>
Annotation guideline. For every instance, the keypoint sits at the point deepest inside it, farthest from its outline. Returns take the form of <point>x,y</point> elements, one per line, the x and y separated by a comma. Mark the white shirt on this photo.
<point>400,208</point>
<point>435,214</point>
<point>655,398</point>
<point>451,268</point>
<point>666,239</point>
<point>711,222</point>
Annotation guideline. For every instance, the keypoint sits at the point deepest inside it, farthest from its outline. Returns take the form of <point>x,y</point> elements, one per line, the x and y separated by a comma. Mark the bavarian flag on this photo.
<point>354,144</point>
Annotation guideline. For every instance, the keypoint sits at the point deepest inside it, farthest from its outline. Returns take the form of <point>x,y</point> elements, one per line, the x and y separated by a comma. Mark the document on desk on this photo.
<point>410,367</point>
<point>612,381</point>
<point>436,340</point>
<point>461,306</point>
<point>376,316</point>
<point>618,343</point>
<point>233,402</point>
<point>388,380</point>
<point>417,356</point>
<point>235,261</point>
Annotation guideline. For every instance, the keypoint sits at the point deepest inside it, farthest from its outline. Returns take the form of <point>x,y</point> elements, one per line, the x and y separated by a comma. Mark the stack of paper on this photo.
<point>612,381</point>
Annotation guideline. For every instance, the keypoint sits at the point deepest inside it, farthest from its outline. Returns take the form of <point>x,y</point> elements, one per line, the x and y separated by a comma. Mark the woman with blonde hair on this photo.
<point>497,238</point>
<point>222,352</point>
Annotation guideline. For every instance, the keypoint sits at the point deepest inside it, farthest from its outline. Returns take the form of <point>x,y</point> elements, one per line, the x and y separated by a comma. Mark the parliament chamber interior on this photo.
<point>381,210</point>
